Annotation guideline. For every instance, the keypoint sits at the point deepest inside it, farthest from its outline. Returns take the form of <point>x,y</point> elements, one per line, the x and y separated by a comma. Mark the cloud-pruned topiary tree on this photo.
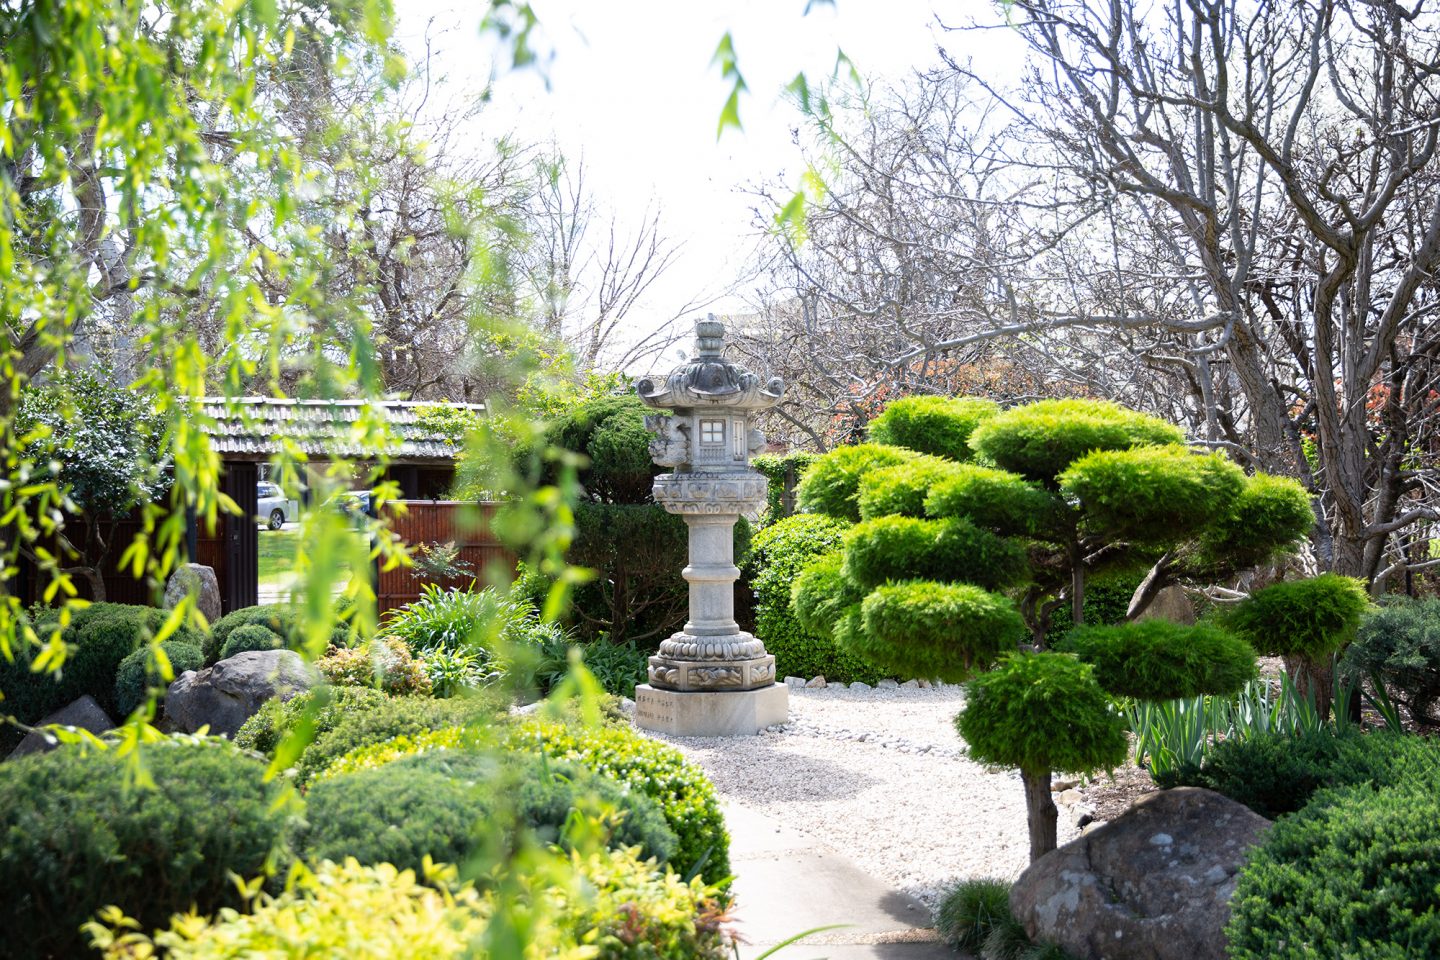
<point>953,561</point>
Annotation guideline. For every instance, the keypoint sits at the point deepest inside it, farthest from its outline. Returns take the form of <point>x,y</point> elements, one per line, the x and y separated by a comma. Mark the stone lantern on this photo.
<point>711,679</point>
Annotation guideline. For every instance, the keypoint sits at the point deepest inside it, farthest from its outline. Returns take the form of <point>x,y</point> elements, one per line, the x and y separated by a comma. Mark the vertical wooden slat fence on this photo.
<point>465,523</point>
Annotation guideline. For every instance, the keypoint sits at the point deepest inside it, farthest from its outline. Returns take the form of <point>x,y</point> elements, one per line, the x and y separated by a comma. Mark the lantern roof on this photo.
<point>709,380</point>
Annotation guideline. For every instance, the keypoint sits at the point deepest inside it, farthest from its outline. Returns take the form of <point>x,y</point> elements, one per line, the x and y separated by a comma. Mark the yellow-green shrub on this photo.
<point>1160,660</point>
<point>994,499</point>
<point>901,490</point>
<point>944,631</point>
<point>1039,440</point>
<point>1151,494</point>
<point>936,425</point>
<point>889,549</point>
<point>1309,618</point>
<point>832,483</point>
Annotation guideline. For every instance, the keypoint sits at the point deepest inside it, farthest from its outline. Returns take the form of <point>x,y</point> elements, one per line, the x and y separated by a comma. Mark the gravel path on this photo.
<point>879,776</point>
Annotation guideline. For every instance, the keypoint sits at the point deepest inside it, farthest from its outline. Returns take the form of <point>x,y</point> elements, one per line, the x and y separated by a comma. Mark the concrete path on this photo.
<point>787,883</point>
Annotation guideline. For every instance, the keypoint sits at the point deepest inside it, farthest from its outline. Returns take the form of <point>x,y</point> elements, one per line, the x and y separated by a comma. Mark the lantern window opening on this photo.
<point>712,432</point>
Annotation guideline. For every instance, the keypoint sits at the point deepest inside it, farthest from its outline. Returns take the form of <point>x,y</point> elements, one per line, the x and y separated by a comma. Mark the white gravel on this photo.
<point>880,777</point>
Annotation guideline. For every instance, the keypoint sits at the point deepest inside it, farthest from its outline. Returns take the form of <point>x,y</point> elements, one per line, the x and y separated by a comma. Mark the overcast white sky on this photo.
<point>632,87</point>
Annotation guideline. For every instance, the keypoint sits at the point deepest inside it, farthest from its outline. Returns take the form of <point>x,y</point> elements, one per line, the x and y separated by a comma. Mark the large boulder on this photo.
<point>226,695</point>
<point>82,714</point>
<point>1153,884</point>
<point>198,579</point>
<point>1172,604</point>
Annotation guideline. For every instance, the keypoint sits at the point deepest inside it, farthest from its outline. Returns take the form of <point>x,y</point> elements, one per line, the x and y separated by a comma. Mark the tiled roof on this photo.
<point>252,427</point>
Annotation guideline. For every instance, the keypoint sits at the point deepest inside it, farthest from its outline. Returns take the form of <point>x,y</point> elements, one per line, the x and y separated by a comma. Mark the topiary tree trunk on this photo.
<point>1040,813</point>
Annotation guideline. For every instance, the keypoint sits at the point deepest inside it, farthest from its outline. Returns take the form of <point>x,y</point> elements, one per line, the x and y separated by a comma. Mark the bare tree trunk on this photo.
<point>1040,813</point>
<point>1313,681</point>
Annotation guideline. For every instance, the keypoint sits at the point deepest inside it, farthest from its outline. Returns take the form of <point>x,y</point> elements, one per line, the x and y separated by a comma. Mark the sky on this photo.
<point>631,86</point>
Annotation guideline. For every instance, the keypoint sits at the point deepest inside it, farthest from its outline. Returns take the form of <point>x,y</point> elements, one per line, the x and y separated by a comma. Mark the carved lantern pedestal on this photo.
<point>711,679</point>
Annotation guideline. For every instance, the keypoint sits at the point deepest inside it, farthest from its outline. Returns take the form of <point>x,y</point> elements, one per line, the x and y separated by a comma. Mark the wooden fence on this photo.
<point>464,523</point>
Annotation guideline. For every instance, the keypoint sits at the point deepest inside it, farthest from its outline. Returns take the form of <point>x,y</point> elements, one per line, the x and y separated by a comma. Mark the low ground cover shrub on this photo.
<point>1353,874</point>
<point>391,717</point>
<point>448,804</point>
<point>138,672</point>
<point>686,797</point>
<point>1277,773</point>
<point>778,555</point>
<point>75,836</point>
<point>324,707</point>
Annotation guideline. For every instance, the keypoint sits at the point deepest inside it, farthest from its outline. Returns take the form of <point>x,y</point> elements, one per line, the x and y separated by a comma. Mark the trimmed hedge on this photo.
<point>777,469</point>
<point>940,426</point>
<point>1152,494</point>
<point>889,549</point>
<point>138,672</point>
<point>943,631</point>
<point>1160,660</point>
<point>832,484</point>
<point>1354,874</point>
<point>1042,712</point>
<point>994,499</point>
<point>821,595</point>
<point>1267,511</point>
<point>778,555</point>
<point>75,837</point>
<point>443,804</point>
<point>1309,618</point>
<point>252,636</point>
<point>1039,440</point>
<point>901,490</point>
<point>686,797</point>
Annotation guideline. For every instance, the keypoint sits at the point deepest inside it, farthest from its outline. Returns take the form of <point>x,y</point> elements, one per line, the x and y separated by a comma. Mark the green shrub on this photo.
<point>940,426</point>
<point>943,631</point>
<point>994,499</point>
<point>1014,714</point>
<point>832,484</point>
<point>610,431</point>
<point>384,719</point>
<point>969,910</point>
<point>1309,618</point>
<point>443,804</point>
<point>1276,774</point>
<point>1152,494</point>
<point>617,666</point>
<point>1269,510</point>
<point>325,706</point>
<point>280,619</point>
<point>889,549</point>
<point>381,662</point>
<point>138,672</point>
<point>1160,660</point>
<point>251,637</point>
<point>779,471</point>
<point>778,555</point>
<point>98,639</point>
<point>901,490</point>
<point>1039,440</point>
<point>538,657</point>
<point>659,771</point>
<point>75,837</point>
<point>822,595</point>
<point>1354,874</point>
<point>1399,645</point>
<point>455,619</point>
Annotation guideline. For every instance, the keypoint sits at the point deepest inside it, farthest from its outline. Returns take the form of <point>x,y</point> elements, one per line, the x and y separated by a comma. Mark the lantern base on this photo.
<point>739,713</point>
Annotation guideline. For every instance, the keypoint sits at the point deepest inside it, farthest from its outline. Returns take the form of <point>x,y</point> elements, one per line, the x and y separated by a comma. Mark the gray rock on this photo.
<point>226,695</point>
<point>858,685</point>
<point>924,684</point>
<point>1153,884</point>
<point>887,684</point>
<point>794,681</point>
<point>199,579</point>
<point>1061,784</point>
<point>817,683</point>
<point>82,714</point>
<point>627,705</point>
<point>1068,797</point>
<point>1170,604</point>
<point>910,685</point>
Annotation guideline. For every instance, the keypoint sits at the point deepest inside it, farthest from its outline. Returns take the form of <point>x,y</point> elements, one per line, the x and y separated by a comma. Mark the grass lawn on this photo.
<point>277,559</point>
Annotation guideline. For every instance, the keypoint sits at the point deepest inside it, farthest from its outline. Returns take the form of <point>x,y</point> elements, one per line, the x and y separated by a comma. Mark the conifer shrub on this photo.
<point>1269,511</point>
<point>1039,440</point>
<point>686,798</point>
<point>995,499</point>
<point>780,470</point>
<point>280,619</point>
<point>901,490</point>
<point>1160,660</point>
<point>832,483</point>
<point>1310,618</point>
<point>1152,494</point>
<point>1012,715</point>
<point>252,636</point>
<point>778,555</point>
<point>889,549</point>
<point>940,426</point>
<point>138,672</point>
<point>387,718</point>
<point>822,596</point>
<point>944,631</point>
<point>1399,646</point>
<point>1353,874</point>
<point>75,837</point>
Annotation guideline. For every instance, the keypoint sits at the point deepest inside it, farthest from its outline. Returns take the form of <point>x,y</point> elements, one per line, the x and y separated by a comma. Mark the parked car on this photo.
<point>355,504</point>
<point>273,506</point>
